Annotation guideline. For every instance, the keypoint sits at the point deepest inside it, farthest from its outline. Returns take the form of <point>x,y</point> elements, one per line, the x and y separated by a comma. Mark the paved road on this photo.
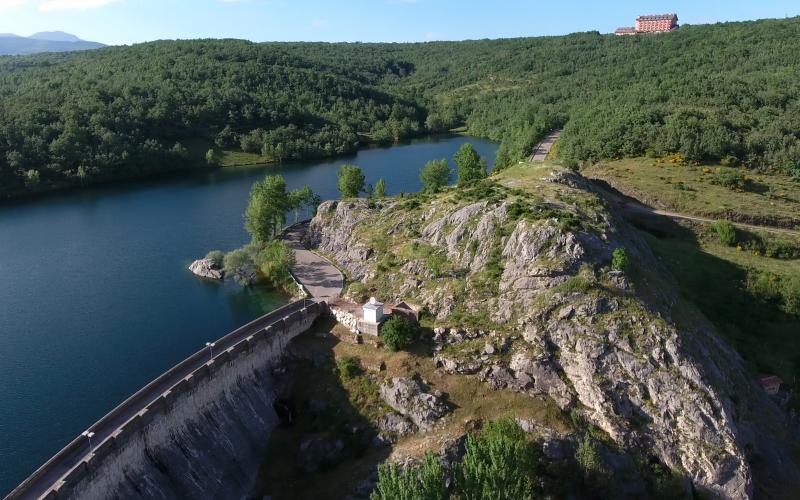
<point>633,206</point>
<point>321,278</point>
<point>544,147</point>
<point>73,454</point>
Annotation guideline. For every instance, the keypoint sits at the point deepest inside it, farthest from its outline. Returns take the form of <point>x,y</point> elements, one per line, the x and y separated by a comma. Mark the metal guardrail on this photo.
<point>116,419</point>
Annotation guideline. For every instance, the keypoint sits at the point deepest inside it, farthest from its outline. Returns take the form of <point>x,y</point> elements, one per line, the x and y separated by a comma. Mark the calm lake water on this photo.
<point>96,301</point>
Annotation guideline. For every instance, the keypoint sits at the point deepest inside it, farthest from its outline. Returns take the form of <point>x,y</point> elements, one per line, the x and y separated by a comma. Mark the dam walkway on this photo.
<point>69,462</point>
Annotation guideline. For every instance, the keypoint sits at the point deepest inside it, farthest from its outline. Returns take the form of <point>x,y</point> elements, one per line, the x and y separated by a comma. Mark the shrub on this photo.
<point>435,175</point>
<point>32,178</point>
<point>212,157</point>
<point>380,189</point>
<point>620,260</point>
<point>398,333</point>
<point>726,232</point>
<point>274,261</point>
<point>436,263</point>
<point>415,482</point>
<point>588,457</point>
<point>790,290</point>
<point>731,179</point>
<point>239,264</point>
<point>348,367</point>
<point>764,286</point>
<point>499,463</point>
<point>216,257</point>
<point>777,249</point>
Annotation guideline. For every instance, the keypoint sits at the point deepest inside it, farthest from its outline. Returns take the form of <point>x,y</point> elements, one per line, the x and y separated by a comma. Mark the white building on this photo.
<point>373,311</point>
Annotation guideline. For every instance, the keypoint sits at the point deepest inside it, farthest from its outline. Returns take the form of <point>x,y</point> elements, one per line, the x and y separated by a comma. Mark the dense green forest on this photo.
<point>726,92</point>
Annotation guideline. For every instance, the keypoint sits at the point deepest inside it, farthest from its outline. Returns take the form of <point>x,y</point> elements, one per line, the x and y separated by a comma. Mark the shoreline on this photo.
<point>21,197</point>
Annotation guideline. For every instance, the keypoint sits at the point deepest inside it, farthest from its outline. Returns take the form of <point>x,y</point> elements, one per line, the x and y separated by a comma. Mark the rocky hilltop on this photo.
<point>516,274</point>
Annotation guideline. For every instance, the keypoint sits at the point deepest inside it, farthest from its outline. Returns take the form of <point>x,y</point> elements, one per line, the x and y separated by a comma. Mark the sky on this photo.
<point>131,21</point>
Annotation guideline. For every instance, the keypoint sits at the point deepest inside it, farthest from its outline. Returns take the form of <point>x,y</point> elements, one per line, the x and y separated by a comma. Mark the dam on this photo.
<point>197,431</point>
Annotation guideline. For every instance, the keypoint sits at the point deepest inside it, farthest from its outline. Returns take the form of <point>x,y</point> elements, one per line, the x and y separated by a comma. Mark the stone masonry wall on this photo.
<point>207,439</point>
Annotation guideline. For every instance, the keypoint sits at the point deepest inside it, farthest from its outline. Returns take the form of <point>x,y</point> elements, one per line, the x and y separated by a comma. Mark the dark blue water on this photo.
<point>96,301</point>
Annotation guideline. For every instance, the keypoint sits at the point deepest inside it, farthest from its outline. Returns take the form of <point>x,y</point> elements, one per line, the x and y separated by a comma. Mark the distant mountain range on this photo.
<point>46,41</point>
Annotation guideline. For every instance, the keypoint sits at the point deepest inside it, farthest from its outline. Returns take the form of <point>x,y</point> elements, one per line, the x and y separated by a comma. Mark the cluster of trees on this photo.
<point>711,92</point>
<point>715,92</point>
<point>79,118</point>
<point>266,259</point>
<point>502,463</point>
<point>470,167</point>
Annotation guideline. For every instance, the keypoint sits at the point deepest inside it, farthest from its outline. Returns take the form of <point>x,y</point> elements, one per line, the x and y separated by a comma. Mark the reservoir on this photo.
<point>96,301</point>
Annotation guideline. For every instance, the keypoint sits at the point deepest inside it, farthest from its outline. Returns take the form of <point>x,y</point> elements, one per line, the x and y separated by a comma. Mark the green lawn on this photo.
<point>770,199</point>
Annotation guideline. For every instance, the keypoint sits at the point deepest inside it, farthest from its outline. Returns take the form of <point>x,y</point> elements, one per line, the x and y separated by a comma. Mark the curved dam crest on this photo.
<point>203,438</point>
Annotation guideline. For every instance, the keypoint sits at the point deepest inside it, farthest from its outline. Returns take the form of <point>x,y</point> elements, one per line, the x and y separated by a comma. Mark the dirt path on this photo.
<point>321,278</point>
<point>544,147</point>
<point>631,205</point>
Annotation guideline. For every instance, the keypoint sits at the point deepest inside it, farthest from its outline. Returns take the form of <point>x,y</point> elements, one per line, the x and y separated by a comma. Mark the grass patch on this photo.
<point>715,278</point>
<point>709,191</point>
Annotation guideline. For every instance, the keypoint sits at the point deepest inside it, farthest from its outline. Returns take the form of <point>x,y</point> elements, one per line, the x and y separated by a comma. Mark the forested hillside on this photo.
<point>132,111</point>
<point>717,92</point>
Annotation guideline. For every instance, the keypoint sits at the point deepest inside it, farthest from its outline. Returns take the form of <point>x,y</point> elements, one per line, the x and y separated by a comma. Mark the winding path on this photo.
<point>319,277</point>
<point>634,206</point>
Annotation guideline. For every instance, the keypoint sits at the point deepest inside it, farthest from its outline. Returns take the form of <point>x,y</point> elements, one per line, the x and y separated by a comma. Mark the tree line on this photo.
<point>726,92</point>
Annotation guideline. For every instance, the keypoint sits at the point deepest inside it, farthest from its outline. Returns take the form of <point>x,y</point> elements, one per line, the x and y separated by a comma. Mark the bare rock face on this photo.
<point>409,398</point>
<point>532,376</point>
<point>396,425</point>
<point>574,330</point>
<point>206,268</point>
<point>352,256</point>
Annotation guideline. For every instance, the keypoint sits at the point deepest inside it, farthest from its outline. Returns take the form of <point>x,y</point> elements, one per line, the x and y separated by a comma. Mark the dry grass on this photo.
<point>471,399</point>
<point>691,190</point>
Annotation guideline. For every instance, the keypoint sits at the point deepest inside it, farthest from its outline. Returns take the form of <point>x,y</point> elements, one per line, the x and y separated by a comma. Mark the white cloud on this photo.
<point>10,4</point>
<point>317,23</point>
<point>54,5</point>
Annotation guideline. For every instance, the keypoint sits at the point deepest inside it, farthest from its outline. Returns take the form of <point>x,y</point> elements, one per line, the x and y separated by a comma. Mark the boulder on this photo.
<point>409,398</point>
<point>206,268</point>
<point>396,425</point>
<point>456,366</point>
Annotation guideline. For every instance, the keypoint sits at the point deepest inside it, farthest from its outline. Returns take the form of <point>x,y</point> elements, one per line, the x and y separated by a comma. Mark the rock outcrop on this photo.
<point>207,268</point>
<point>534,265</point>
<point>408,397</point>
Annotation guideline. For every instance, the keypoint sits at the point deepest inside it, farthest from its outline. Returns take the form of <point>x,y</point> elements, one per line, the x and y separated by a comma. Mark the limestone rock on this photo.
<point>206,268</point>
<point>409,398</point>
<point>396,425</point>
<point>657,387</point>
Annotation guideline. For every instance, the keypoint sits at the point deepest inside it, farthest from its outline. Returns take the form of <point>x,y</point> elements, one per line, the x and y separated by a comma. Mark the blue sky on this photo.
<point>130,21</point>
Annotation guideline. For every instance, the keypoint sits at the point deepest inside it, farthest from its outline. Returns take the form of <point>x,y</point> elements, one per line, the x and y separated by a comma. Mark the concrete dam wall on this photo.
<point>203,438</point>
